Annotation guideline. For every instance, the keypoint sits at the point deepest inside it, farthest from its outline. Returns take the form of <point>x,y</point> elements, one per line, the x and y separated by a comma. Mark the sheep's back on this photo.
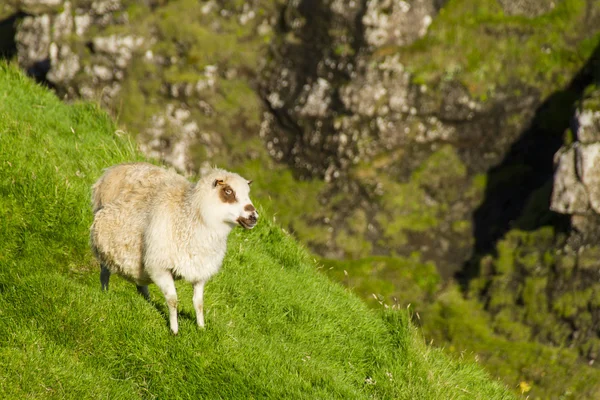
<point>133,182</point>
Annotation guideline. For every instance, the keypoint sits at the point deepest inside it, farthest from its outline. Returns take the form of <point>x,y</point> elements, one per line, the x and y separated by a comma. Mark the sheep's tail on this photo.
<point>96,196</point>
<point>108,186</point>
<point>105,189</point>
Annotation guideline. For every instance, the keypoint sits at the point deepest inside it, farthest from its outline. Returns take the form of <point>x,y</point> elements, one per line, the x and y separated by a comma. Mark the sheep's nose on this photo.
<point>253,217</point>
<point>253,214</point>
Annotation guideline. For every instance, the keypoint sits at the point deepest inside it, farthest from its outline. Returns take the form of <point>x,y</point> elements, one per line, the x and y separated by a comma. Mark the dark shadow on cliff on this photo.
<point>518,190</point>
<point>8,31</point>
<point>8,49</point>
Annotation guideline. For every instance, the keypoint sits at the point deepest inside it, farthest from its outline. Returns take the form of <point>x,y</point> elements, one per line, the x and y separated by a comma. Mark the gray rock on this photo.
<point>576,186</point>
<point>398,23</point>
<point>62,23</point>
<point>65,64</point>
<point>588,160</point>
<point>103,7</point>
<point>318,98</point>
<point>82,23</point>
<point>334,113</point>
<point>118,49</point>
<point>576,189</point>
<point>569,195</point>
<point>171,135</point>
<point>382,88</point>
<point>33,40</point>
<point>588,130</point>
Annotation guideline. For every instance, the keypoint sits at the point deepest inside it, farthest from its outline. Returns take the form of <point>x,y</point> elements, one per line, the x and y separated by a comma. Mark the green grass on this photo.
<point>388,280</point>
<point>462,327</point>
<point>276,328</point>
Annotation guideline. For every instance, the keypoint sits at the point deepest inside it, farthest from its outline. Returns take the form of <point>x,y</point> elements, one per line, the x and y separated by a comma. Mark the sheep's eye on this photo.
<point>228,192</point>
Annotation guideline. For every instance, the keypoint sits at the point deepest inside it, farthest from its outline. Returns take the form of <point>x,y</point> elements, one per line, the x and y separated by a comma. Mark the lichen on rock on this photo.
<point>397,23</point>
<point>528,8</point>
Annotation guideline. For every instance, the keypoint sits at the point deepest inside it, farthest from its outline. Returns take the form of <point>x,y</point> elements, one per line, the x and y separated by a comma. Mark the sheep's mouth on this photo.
<point>247,223</point>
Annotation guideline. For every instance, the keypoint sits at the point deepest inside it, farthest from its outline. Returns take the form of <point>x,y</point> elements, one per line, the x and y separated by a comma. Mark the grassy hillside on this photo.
<point>462,327</point>
<point>275,327</point>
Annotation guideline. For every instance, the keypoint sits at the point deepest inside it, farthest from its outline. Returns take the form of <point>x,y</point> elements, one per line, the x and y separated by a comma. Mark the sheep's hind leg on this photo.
<point>104,276</point>
<point>143,290</point>
<point>167,285</point>
<point>199,302</point>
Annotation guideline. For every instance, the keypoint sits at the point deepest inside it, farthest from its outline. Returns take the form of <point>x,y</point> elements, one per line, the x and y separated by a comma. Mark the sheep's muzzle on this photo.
<point>249,222</point>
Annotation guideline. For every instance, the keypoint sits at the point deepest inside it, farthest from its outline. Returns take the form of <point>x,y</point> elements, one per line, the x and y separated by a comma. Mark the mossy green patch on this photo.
<point>504,324</point>
<point>536,293</point>
<point>473,40</point>
<point>353,245</point>
<point>591,98</point>
<point>571,302</point>
<point>546,371</point>
<point>440,173</point>
<point>588,258</point>
<point>408,206</point>
<point>405,209</point>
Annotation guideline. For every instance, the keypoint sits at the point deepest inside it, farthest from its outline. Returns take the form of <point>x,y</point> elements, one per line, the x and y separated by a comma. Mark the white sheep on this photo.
<point>153,225</point>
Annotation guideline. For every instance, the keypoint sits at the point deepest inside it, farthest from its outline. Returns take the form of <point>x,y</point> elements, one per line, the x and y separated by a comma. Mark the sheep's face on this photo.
<point>233,199</point>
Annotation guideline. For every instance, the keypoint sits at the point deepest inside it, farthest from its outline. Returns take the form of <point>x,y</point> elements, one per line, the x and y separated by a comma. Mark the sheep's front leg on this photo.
<point>199,302</point>
<point>166,284</point>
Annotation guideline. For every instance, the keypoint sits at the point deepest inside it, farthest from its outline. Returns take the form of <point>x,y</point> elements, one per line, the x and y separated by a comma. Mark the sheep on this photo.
<point>151,225</point>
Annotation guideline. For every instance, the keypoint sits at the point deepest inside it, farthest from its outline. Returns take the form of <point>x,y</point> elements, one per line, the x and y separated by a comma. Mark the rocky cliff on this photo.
<point>364,96</point>
<point>412,127</point>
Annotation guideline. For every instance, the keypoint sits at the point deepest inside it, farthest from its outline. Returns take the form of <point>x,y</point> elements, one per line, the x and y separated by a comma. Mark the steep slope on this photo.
<point>275,326</point>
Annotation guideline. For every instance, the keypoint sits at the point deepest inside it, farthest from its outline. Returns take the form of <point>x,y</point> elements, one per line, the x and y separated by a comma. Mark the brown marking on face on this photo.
<point>249,208</point>
<point>227,194</point>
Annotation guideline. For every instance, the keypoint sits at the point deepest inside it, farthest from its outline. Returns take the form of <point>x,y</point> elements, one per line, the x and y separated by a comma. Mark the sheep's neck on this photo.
<point>204,227</point>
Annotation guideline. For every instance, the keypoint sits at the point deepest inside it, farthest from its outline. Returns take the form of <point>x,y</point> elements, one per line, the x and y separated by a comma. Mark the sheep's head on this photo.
<point>231,195</point>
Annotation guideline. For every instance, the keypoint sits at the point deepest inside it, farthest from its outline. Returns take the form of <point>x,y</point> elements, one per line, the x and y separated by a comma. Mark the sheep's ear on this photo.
<point>217,182</point>
<point>250,182</point>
